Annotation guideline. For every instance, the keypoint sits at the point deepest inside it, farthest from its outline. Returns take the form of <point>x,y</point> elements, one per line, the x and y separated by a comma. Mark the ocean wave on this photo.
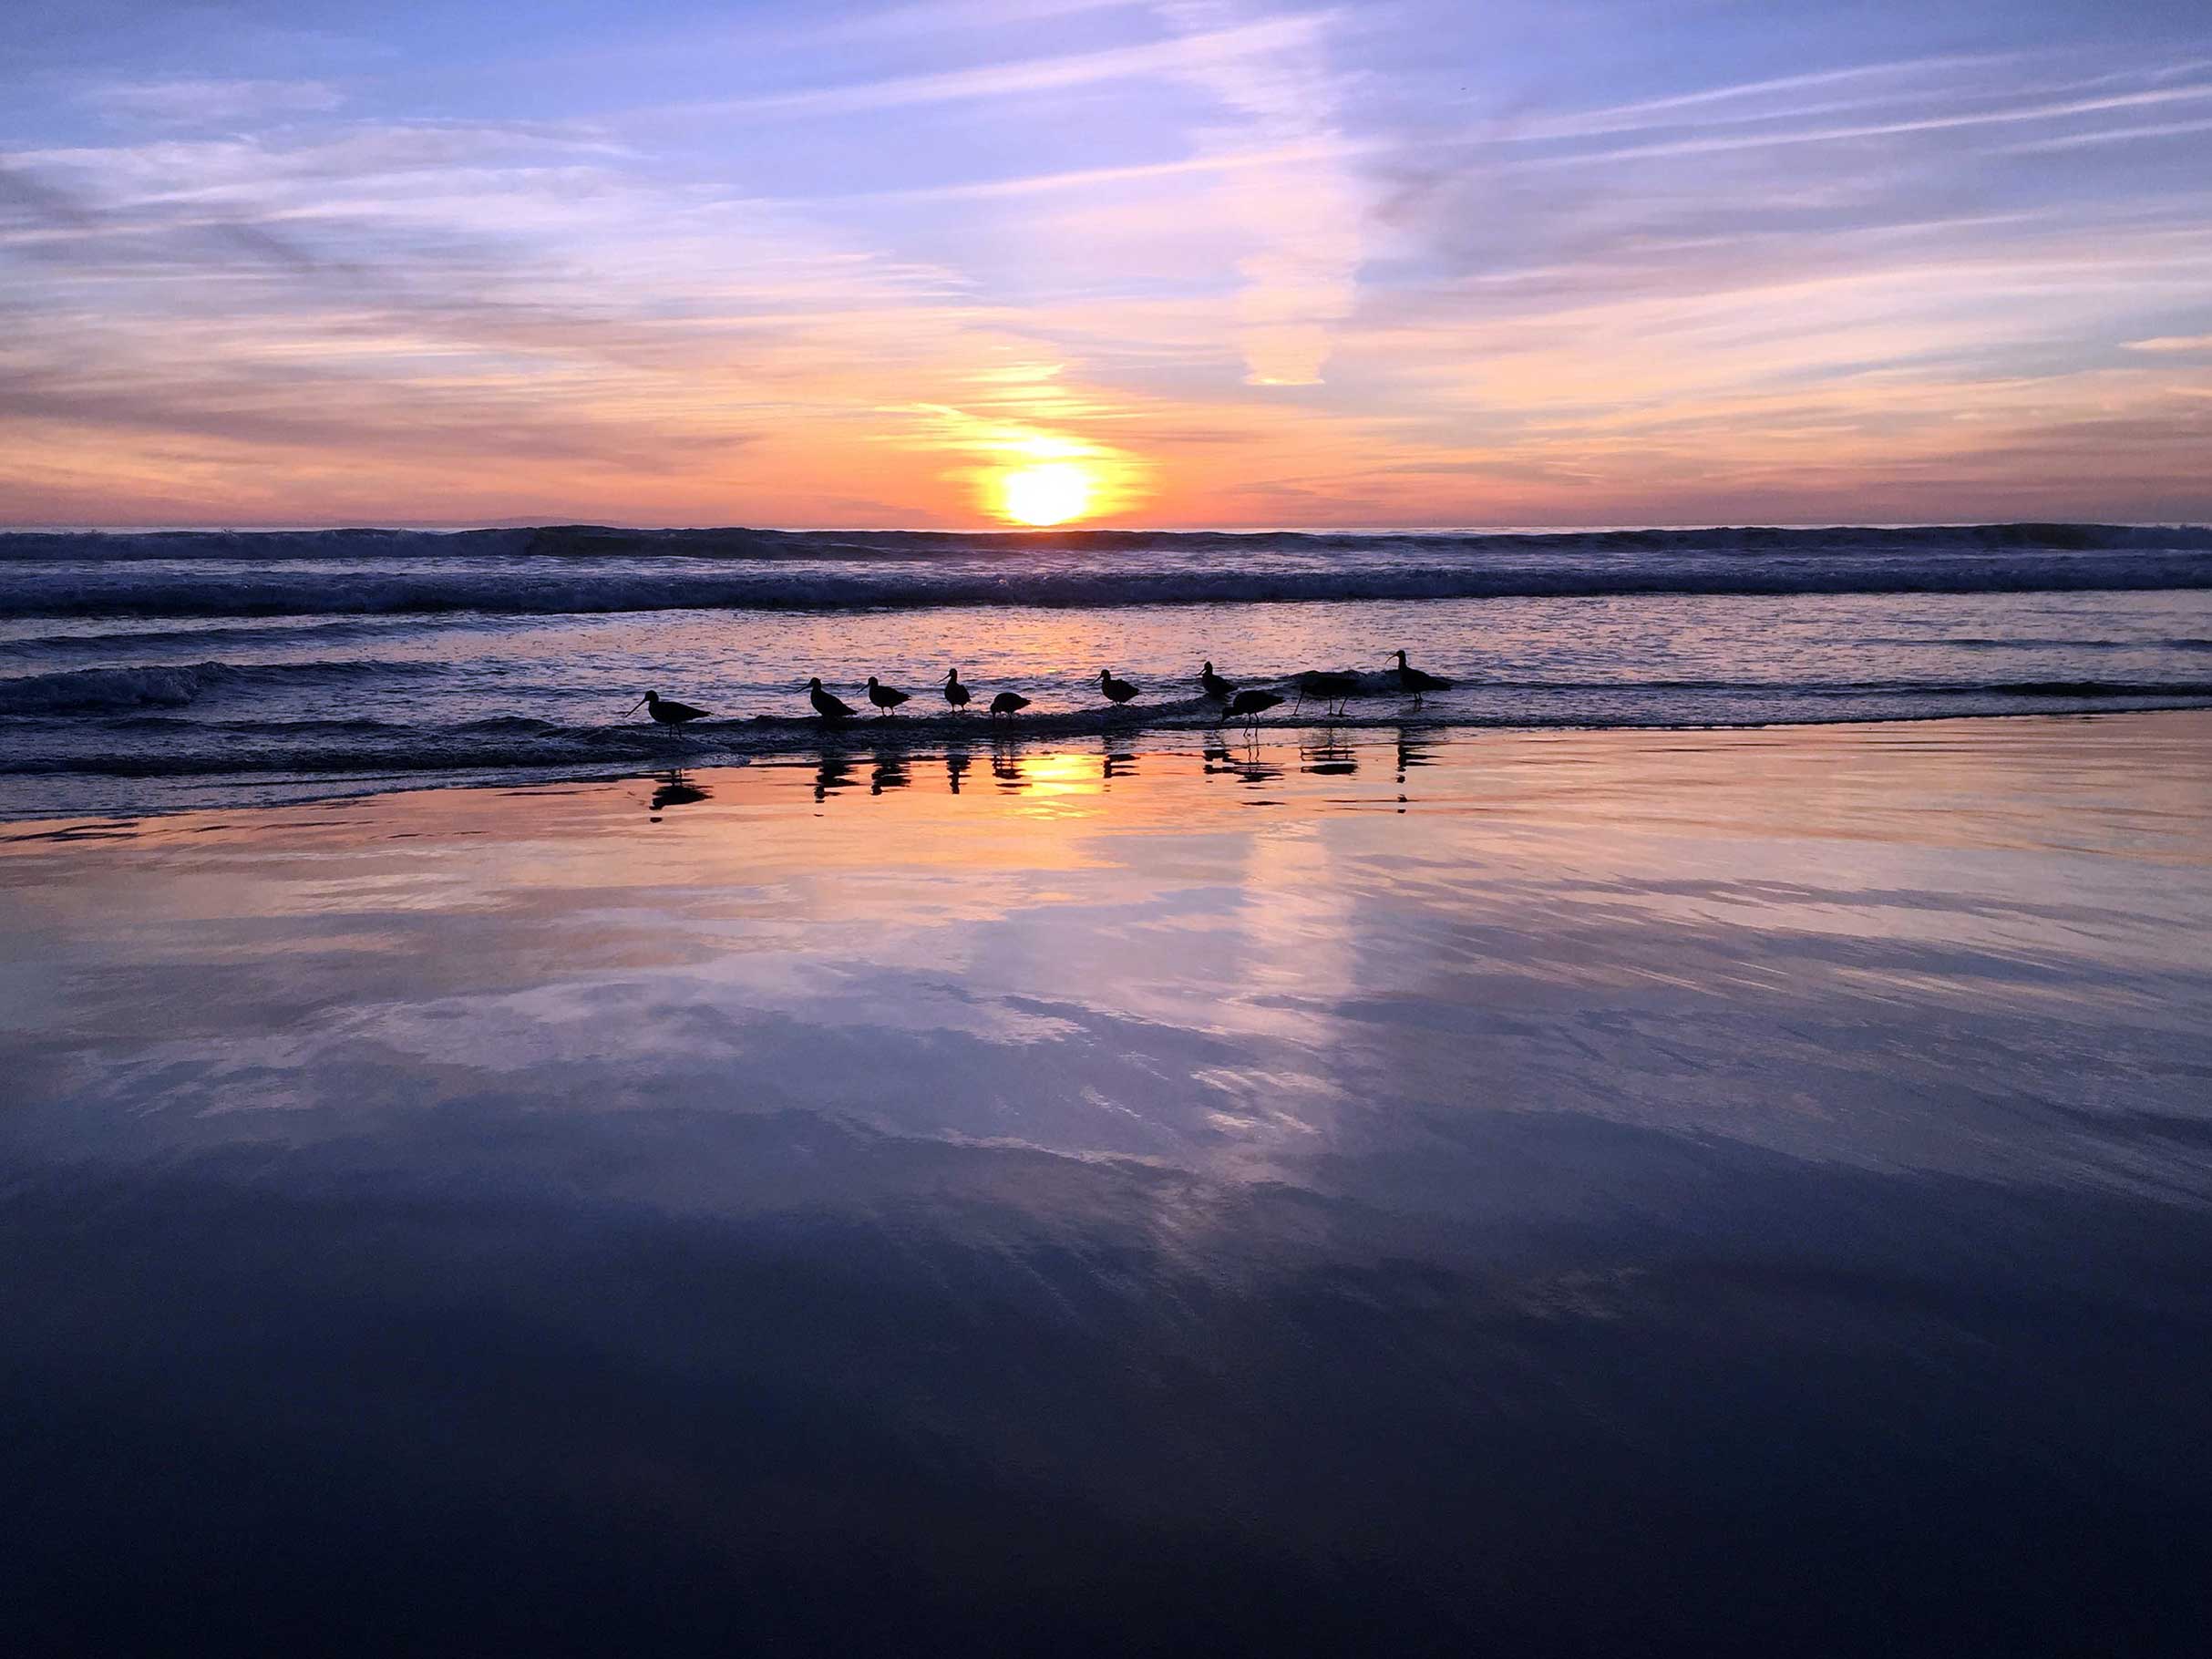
<point>83,641</point>
<point>2032,643</point>
<point>743,543</point>
<point>515,588</point>
<point>98,690</point>
<point>79,691</point>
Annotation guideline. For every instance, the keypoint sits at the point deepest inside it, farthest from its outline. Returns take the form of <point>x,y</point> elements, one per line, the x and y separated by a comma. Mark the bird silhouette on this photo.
<point>665,713</point>
<point>1214,684</point>
<point>1116,692</point>
<point>1249,705</point>
<point>827,706</point>
<point>1413,680</point>
<point>1009,702</point>
<point>1326,688</point>
<point>955,693</point>
<point>883,696</point>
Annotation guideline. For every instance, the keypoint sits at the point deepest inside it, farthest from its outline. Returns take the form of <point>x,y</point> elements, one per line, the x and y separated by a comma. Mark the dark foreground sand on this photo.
<point>1583,1192</point>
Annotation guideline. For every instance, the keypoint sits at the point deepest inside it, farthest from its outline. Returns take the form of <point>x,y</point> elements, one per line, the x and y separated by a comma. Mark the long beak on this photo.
<point>634,707</point>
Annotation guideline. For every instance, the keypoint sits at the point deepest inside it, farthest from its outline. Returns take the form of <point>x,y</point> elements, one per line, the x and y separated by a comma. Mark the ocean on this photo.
<point>151,671</point>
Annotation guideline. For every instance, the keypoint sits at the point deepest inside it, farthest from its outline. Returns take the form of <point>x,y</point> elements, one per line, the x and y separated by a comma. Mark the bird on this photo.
<point>1413,680</point>
<point>955,693</point>
<point>666,712</point>
<point>1214,684</point>
<point>1115,691</point>
<point>1327,689</point>
<point>1009,702</point>
<point>1249,705</point>
<point>826,706</point>
<point>883,696</point>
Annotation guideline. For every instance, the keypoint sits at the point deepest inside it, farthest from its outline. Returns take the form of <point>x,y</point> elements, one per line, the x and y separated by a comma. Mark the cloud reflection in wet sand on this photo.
<point>1650,1172</point>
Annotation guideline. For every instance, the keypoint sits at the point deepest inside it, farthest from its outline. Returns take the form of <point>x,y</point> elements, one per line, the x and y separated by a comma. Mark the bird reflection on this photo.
<point>889,773</point>
<point>1247,766</point>
<point>833,773</point>
<point>1006,767</point>
<point>1413,751</point>
<point>1331,756</point>
<point>1118,763</point>
<point>677,790</point>
<point>1252,769</point>
<point>956,769</point>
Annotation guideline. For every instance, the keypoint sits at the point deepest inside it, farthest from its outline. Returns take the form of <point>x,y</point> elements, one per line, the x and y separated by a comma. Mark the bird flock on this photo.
<point>1332,690</point>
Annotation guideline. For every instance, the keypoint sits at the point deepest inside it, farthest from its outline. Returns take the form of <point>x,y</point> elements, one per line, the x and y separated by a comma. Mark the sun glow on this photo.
<point>1049,492</point>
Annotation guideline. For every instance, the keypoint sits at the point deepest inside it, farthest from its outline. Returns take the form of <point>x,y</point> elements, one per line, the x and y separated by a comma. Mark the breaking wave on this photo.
<point>91,691</point>
<point>583,570</point>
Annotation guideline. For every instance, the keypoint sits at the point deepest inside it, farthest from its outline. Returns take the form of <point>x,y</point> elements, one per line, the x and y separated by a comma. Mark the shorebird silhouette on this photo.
<point>1249,705</point>
<point>1009,702</point>
<point>1328,689</point>
<point>1413,680</point>
<point>1214,684</point>
<point>665,713</point>
<point>883,696</point>
<point>1116,692</point>
<point>955,693</point>
<point>826,706</point>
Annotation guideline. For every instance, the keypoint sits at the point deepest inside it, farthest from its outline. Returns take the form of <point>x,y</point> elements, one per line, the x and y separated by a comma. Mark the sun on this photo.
<point>1049,492</point>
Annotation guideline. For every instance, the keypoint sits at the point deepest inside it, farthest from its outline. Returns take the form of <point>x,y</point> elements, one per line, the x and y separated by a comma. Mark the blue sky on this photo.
<point>1235,263</point>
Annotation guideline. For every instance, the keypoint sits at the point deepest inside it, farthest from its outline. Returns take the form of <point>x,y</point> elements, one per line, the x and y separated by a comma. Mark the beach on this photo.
<point>1105,827</point>
<point>1473,1189</point>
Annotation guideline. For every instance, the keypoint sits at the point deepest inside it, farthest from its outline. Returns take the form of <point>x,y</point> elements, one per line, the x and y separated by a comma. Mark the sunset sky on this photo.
<point>1187,262</point>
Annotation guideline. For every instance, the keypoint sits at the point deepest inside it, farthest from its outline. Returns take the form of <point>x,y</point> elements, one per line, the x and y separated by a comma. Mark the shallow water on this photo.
<point>1547,1192</point>
<point>117,721</point>
<point>135,679</point>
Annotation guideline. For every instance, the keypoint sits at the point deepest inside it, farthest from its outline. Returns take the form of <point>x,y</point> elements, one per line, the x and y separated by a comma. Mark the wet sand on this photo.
<point>1524,1192</point>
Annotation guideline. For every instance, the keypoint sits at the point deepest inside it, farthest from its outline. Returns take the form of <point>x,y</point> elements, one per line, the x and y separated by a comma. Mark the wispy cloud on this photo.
<point>207,103</point>
<point>948,16</point>
<point>2109,135</point>
<point>1302,210</point>
<point>1012,77</point>
<point>1831,134</point>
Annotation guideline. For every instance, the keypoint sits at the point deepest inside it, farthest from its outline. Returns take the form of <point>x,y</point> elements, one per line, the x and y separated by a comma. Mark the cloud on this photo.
<point>2173,345</point>
<point>1300,206</point>
<point>2109,135</point>
<point>207,103</point>
<point>1013,77</point>
<point>948,16</point>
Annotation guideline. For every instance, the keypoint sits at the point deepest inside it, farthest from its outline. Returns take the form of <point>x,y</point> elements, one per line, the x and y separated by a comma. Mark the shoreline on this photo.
<point>931,736</point>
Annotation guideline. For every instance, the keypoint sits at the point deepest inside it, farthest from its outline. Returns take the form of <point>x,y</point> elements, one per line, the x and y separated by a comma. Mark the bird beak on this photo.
<point>634,707</point>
